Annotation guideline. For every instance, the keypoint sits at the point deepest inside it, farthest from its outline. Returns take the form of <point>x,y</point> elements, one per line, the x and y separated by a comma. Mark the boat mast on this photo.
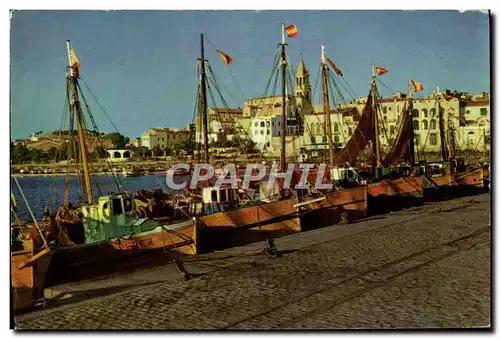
<point>283,100</point>
<point>412,132</point>
<point>203,108</point>
<point>326,106</point>
<point>444,154</point>
<point>81,137</point>
<point>376,142</point>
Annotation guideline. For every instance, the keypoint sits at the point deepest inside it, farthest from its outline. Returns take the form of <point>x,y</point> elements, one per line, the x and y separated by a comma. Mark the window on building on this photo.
<point>424,112</point>
<point>256,124</point>
<point>268,144</point>
<point>433,124</point>
<point>268,123</point>
<point>349,131</point>
<point>433,139</point>
<point>335,127</point>
<point>487,139</point>
<point>468,111</point>
<point>415,125</point>
<point>432,112</point>
<point>384,109</point>
<point>214,196</point>
<point>425,125</point>
<point>311,129</point>
<point>324,138</point>
<point>318,128</point>
<point>484,111</point>
<point>415,113</point>
<point>262,124</point>
<point>471,140</point>
<point>336,139</point>
<point>390,109</point>
<point>313,140</point>
<point>391,129</point>
<point>261,132</point>
<point>417,139</point>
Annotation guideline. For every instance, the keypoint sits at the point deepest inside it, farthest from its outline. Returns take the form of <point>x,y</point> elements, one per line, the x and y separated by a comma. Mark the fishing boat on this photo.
<point>132,173</point>
<point>348,201</point>
<point>454,177</point>
<point>95,238</point>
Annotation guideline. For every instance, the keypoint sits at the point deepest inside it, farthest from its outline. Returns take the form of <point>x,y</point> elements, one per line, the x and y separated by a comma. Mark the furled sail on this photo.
<point>360,138</point>
<point>400,150</point>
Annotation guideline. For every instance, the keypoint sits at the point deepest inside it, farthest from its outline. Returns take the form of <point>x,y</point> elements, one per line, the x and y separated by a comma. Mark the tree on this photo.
<point>118,140</point>
<point>19,153</point>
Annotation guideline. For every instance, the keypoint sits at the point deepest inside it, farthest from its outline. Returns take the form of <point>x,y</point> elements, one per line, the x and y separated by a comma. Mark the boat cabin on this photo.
<point>113,216</point>
<point>217,199</point>
<point>345,176</point>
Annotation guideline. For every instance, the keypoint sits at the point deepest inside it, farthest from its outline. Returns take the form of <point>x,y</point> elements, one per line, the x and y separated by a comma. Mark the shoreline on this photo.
<point>27,175</point>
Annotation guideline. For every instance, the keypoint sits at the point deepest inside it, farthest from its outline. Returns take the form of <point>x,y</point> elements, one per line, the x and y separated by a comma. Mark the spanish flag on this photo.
<point>381,70</point>
<point>291,31</point>
<point>337,70</point>
<point>75,64</point>
<point>226,58</point>
<point>417,85</point>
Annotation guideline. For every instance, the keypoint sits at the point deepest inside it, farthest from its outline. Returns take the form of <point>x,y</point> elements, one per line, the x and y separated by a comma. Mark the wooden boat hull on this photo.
<point>72,263</point>
<point>28,282</point>
<point>344,205</point>
<point>395,194</point>
<point>247,225</point>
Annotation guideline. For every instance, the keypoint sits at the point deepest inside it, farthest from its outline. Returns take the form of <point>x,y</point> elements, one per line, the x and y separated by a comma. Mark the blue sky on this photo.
<point>141,65</point>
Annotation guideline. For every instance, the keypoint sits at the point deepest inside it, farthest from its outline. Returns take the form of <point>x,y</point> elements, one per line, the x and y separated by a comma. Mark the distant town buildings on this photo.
<point>165,138</point>
<point>222,124</point>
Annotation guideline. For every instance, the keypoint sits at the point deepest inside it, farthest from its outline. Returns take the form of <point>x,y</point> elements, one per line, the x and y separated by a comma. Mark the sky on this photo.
<point>142,65</point>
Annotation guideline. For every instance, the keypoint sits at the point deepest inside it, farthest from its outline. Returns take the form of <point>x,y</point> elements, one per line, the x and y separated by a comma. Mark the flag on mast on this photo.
<point>336,69</point>
<point>417,85</point>
<point>75,63</point>
<point>381,70</point>
<point>291,31</point>
<point>226,58</point>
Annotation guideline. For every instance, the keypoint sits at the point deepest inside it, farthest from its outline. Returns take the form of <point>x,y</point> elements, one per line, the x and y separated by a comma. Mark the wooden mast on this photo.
<point>81,137</point>
<point>283,101</point>
<point>326,107</point>
<point>444,152</point>
<point>376,141</point>
<point>69,151</point>
<point>411,154</point>
<point>203,107</point>
<point>442,137</point>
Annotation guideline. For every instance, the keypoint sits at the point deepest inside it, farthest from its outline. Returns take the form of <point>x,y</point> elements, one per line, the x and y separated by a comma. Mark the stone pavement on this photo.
<point>427,266</point>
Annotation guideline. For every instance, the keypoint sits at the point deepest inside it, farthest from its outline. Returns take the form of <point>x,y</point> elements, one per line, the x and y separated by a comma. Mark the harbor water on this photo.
<point>42,191</point>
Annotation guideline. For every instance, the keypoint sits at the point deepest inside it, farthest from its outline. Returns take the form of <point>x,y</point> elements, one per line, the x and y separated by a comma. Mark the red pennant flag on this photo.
<point>337,70</point>
<point>417,85</point>
<point>381,70</point>
<point>291,31</point>
<point>226,58</point>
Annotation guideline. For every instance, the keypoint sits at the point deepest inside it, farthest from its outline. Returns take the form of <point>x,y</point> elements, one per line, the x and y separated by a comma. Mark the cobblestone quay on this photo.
<point>427,266</point>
